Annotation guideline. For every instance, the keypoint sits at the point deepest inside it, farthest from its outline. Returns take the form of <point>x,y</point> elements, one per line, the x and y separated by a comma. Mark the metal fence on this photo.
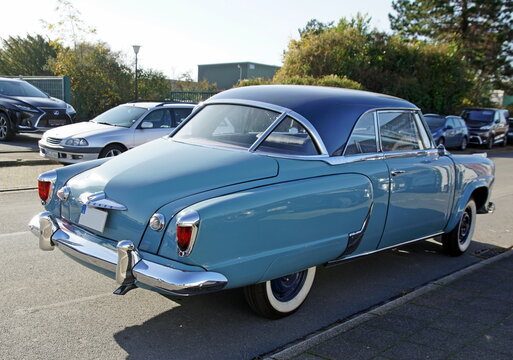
<point>191,96</point>
<point>55,86</point>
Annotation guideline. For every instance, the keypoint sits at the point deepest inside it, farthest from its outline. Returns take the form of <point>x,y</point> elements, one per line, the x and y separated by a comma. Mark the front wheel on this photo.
<point>280,297</point>
<point>112,150</point>
<point>457,241</point>
<point>505,141</point>
<point>489,145</point>
<point>6,132</point>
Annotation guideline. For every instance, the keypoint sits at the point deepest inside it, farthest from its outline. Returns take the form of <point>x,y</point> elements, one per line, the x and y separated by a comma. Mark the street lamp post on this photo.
<point>136,51</point>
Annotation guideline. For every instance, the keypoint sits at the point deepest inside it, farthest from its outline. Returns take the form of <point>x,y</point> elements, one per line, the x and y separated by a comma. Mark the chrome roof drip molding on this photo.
<point>100,200</point>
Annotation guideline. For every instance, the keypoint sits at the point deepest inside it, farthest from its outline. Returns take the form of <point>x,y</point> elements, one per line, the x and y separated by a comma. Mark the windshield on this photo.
<point>434,122</point>
<point>478,115</point>
<point>123,116</point>
<point>20,88</point>
<point>226,125</point>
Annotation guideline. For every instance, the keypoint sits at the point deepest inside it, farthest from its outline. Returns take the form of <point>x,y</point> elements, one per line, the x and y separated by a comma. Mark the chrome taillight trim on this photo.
<point>188,218</point>
<point>51,177</point>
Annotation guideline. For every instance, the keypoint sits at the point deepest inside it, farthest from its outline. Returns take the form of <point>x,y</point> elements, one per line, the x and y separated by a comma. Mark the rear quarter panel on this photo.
<point>266,232</point>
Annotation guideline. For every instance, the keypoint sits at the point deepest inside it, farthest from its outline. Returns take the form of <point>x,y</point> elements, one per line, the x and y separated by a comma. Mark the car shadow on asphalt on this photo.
<point>221,325</point>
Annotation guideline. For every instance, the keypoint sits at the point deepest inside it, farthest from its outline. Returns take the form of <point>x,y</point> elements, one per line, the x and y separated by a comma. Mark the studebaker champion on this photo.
<point>258,187</point>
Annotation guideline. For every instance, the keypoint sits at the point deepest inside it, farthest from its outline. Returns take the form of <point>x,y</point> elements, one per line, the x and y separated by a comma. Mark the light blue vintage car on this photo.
<point>258,187</point>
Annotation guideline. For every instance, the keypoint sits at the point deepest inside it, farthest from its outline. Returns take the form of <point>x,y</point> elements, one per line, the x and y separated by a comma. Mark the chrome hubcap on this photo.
<point>465,224</point>
<point>287,287</point>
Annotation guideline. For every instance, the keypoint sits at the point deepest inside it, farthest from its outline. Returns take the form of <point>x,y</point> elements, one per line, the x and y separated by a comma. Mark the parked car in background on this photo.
<point>487,126</point>
<point>113,132</point>
<point>450,131</point>
<point>510,130</point>
<point>25,108</point>
<point>258,187</point>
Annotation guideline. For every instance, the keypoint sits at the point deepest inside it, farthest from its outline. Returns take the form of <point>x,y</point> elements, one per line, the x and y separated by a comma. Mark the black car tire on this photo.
<point>457,241</point>
<point>505,141</point>
<point>464,143</point>
<point>489,144</point>
<point>6,132</point>
<point>112,150</point>
<point>280,297</point>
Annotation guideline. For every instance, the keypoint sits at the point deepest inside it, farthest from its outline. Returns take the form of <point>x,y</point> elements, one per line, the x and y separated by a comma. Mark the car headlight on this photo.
<point>25,108</point>
<point>70,109</point>
<point>77,142</point>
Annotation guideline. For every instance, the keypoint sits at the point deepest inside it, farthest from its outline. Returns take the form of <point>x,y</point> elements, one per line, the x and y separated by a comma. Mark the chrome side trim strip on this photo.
<point>356,237</point>
<point>337,261</point>
<point>339,160</point>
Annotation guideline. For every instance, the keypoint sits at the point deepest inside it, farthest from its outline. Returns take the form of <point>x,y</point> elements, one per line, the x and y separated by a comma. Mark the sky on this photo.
<point>176,36</point>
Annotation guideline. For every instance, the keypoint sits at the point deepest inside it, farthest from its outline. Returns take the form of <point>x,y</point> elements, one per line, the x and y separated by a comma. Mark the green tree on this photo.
<point>482,29</point>
<point>27,56</point>
<point>99,79</point>
<point>431,75</point>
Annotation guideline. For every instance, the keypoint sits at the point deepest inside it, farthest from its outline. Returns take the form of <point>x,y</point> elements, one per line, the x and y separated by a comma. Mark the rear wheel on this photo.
<point>505,141</point>
<point>457,241</point>
<point>6,132</point>
<point>464,143</point>
<point>112,150</point>
<point>280,297</point>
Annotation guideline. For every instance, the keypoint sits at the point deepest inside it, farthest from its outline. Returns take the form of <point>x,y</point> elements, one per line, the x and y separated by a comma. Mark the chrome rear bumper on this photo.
<point>125,261</point>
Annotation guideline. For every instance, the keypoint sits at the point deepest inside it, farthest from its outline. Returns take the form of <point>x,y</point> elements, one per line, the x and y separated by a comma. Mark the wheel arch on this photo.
<point>478,191</point>
<point>115,143</point>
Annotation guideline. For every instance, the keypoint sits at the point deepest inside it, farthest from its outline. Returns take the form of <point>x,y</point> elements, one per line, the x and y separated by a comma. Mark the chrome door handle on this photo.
<point>397,172</point>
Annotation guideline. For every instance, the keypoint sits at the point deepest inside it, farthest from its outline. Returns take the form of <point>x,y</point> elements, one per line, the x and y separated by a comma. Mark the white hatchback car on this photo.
<point>112,132</point>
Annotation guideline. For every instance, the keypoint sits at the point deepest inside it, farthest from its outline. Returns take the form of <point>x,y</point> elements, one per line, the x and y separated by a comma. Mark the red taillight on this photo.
<point>44,189</point>
<point>183,237</point>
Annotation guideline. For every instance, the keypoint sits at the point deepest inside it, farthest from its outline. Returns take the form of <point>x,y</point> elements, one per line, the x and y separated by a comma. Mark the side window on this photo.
<point>399,131</point>
<point>180,115</point>
<point>450,122</point>
<point>363,138</point>
<point>160,118</point>
<point>289,137</point>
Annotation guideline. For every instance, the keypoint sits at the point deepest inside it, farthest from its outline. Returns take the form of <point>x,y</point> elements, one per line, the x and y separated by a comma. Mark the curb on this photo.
<point>22,162</point>
<point>319,337</point>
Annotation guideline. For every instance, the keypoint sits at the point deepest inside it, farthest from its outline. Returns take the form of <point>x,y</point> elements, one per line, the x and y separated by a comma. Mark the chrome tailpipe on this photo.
<point>128,257</point>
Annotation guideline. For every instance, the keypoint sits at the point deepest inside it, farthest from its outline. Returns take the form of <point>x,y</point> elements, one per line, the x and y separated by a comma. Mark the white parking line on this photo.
<point>60,304</point>
<point>14,234</point>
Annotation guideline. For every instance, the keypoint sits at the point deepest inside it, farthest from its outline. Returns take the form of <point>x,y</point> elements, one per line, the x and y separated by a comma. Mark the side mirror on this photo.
<point>441,150</point>
<point>147,125</point>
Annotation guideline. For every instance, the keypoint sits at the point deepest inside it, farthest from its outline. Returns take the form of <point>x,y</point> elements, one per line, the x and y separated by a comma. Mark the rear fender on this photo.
<point>271,231</point>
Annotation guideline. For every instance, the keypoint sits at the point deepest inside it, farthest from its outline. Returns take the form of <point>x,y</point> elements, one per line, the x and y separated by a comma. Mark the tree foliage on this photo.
<point>99,80</point>
<point>328,80</point>
<point>482,29</point>
<point>431,75</point>
<point>27,56</point>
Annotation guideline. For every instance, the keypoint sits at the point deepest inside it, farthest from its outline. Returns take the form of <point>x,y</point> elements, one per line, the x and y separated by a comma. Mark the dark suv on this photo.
<point>25,108</point>
<point>487,126</point>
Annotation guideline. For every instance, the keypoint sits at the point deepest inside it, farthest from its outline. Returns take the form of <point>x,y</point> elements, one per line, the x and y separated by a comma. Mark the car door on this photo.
<point>421,181</point>
<point>161,122</point>
<point>451,133</point>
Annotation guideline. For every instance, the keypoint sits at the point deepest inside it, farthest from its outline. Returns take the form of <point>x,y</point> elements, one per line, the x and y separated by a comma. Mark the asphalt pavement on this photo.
<point>53,307</point>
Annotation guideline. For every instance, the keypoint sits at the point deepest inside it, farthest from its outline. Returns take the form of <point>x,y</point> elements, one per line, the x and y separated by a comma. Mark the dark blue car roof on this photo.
<point>332,111</point>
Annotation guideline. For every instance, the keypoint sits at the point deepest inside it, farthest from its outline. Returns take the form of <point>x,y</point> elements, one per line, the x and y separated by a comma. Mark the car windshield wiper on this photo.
<point>106,123</point>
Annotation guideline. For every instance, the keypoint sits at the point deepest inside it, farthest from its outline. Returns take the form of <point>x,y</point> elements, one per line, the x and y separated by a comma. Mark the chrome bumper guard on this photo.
<point>124,260</point>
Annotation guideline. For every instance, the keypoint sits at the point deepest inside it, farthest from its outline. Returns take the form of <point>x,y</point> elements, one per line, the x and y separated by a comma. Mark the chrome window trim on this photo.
<point>267,131</point>
<point>339,160</point>
<point>352,130</point>
<point>420,119</point>
<point>282,111</point>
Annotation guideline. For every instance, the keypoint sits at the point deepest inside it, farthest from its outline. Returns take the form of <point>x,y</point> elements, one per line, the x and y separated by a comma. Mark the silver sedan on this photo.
<point>112,132</point>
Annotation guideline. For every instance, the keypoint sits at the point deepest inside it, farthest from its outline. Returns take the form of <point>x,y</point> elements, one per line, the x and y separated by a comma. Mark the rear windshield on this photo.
<point>478,115</point>
<point>20,88</point>
<point>227,125</point>
<point>434,122</point>
<point>123,116</point>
